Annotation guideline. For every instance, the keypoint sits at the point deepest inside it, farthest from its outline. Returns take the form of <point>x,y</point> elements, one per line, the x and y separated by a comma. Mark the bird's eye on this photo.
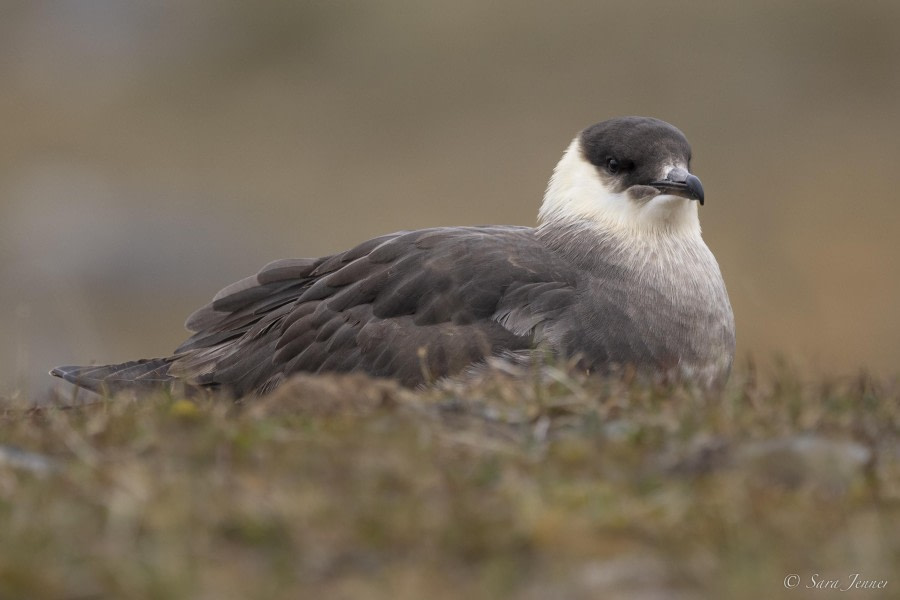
<point>612,165</point>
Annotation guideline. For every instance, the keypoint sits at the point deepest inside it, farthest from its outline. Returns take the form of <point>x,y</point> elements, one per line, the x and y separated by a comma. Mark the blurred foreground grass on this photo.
<point>345,487</point>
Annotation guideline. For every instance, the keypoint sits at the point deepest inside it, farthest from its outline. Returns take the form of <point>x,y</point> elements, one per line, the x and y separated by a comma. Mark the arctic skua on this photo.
<point>616,274</point>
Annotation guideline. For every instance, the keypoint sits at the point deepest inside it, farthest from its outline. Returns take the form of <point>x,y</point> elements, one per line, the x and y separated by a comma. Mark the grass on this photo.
<point>345,487</point>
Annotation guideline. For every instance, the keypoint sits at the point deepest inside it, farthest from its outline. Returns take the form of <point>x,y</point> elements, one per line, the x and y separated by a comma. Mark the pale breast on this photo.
<point>659,305</point>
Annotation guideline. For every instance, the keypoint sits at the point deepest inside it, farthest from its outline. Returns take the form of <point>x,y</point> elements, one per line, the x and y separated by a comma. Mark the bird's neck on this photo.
<point>596,248</point>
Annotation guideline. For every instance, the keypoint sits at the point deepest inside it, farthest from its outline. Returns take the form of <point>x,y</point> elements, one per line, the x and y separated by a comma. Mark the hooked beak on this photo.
<point>681,183</point>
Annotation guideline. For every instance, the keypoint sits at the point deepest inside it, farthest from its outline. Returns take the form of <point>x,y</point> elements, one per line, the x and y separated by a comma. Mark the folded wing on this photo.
<point>414,306</point>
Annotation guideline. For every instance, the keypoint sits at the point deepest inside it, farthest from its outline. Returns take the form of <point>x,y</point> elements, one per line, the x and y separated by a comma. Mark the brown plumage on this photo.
<point>421,305</point>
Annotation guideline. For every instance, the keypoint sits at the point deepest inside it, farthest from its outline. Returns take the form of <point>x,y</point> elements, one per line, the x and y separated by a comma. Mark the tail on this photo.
<point>146,374</point>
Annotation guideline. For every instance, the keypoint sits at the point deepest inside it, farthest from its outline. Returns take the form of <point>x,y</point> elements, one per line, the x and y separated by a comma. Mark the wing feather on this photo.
<point>410,305</point>
<point>286,269</point>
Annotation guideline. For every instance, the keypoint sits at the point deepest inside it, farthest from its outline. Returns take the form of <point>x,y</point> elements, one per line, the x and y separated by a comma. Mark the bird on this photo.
<point>615,275</point>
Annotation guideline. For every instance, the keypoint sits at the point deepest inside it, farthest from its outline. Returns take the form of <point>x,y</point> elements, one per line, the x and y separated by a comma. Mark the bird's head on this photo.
<point>630,174</point>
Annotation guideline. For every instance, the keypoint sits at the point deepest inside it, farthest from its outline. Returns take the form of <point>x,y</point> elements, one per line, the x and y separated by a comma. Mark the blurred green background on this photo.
<point>151,153</point>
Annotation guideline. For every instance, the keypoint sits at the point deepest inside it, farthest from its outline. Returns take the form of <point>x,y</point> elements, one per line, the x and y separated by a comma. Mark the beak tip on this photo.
<point>696,188</point>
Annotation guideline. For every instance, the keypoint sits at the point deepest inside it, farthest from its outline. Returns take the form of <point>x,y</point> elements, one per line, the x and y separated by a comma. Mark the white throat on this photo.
<point>577,194</point>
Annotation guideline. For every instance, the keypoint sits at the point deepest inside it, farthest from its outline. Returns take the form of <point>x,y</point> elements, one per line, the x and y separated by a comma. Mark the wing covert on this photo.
<point>411,305</point>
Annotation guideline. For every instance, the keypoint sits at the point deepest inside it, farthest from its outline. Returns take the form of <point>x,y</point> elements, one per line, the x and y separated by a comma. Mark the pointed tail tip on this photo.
<point>61,372</point>
<point>79,376</point>
<point>138,374</point>
<point>73,374</point>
